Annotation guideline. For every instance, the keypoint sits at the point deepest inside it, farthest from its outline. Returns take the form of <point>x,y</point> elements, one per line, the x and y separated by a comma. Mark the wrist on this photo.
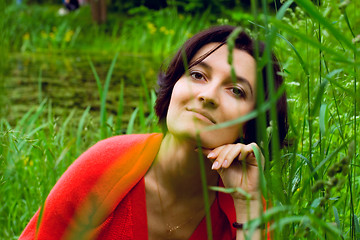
<point>252,195</point>
<point>247,210</point>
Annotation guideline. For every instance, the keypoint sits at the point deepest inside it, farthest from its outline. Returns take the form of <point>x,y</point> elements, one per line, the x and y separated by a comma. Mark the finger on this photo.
<point>233,154</point>
<point>221,160</point>
<point>204,151</point>
<point>213,154</point>
<point>247,153</point>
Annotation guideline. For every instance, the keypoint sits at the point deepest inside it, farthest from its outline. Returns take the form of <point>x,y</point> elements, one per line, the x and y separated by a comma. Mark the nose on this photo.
<point>208,96</point>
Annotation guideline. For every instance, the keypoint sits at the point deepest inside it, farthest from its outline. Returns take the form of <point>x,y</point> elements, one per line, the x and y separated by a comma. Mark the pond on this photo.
<point>67,82</point>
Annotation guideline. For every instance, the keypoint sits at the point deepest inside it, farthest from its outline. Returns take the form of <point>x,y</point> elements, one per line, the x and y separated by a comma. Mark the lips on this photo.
<point>202,113</point>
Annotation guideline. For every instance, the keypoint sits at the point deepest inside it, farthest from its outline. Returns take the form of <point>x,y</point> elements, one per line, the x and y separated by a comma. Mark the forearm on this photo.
<point>246,211</point>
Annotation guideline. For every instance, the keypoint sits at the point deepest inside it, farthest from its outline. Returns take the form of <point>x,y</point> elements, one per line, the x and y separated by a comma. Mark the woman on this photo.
<point>149,186</point>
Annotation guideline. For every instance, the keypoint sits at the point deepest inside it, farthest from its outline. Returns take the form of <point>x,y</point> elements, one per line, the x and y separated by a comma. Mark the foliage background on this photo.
<point>313,184</point>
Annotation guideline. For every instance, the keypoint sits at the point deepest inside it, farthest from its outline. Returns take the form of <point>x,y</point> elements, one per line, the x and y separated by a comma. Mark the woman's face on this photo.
<point>209,96</point>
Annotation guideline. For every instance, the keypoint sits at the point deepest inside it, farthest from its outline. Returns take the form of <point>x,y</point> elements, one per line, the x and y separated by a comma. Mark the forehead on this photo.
<point>243,62</point>
<point>221,51</point>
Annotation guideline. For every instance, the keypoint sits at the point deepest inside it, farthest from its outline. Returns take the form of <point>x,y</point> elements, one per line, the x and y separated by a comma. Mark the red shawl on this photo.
<point>102,196</point>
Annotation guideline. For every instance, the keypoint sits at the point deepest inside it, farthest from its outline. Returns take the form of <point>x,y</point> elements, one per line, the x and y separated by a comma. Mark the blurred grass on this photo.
<point>313,184</point>
<point>76,31</point>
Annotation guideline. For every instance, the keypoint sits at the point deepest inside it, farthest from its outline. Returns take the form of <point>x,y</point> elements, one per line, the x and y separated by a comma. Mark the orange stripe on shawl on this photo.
<point>113,186</point>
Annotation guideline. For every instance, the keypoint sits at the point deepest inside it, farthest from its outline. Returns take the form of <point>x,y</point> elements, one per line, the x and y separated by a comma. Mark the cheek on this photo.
<point>181,93</point>
<point>178,99</point>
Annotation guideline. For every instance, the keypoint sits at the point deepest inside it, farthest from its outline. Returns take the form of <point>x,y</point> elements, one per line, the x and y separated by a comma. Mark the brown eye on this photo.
<point>238,92</point>
<point>197,76</point>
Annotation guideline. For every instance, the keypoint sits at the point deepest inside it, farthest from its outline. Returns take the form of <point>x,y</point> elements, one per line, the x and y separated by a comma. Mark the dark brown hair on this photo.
<point>220,34</point>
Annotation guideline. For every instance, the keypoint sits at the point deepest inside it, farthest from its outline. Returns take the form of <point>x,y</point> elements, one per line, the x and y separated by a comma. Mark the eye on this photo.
<point>238,92</point>
<point>197,76</point>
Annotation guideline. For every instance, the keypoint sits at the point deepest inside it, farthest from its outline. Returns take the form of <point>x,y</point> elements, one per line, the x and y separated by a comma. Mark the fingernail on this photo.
<point>225,163</point>
<point>210,155</point>
<point>215,164</point>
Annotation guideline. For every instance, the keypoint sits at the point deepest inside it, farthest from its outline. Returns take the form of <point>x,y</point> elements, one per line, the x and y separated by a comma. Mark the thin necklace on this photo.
<point>171,229</point>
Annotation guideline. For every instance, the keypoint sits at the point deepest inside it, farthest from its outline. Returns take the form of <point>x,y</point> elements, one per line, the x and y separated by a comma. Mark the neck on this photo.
<point>178,167</point>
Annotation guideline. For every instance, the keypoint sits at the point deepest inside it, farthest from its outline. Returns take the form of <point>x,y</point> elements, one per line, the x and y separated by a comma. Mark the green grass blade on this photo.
<point>205,188</point>
<point>63,153</point>
<point>348,23</point>
<point>145,91</point>
<point>103,127</point>
<point>338,57</point>
<point>64,127</point>
<point>97,78</point>
<point>142,115</point>
<point>131,123</point>
<point>306,184</point>
<point>357,227</point>
<point>21,123</point>
<point>120,109</point>
<point>323,118</point>
<point>337,220</point>
<point>261,172</point>
<point>319,96</point>
<point>31,121</point>
<point>280,14</point>
<point>40,86</point>
<point>230,190</point>
<point>302,62</point>
<point>253,114</point>
<point>80,129</point>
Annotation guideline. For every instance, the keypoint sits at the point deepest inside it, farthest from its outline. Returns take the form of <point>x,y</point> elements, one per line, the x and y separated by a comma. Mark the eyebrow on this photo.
<point>238,78</point>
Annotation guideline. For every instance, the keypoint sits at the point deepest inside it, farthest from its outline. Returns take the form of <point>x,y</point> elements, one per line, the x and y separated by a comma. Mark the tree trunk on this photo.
<point>98,11</point>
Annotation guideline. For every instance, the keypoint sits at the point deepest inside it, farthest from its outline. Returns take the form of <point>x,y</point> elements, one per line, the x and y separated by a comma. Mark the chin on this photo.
<point>213,140</point>
<point>209,139</point>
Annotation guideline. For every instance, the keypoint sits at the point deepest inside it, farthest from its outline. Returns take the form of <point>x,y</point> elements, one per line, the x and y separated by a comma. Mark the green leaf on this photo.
<point>231,190</point>
<point>103,98</point>
<point>120,108</point>
<point>96,76</point>
<point>357,227</point>
<point>336,215</point>
<point>319,97</point>
<point>130,127</point>
<point>323,118</point>
<point>80,129</point>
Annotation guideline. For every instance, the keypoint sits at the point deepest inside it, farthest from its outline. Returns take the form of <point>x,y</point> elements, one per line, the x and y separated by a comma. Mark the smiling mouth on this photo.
<point>203,114</point>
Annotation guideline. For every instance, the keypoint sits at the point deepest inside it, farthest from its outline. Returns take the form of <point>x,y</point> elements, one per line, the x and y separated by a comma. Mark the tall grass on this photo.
<point>321,191</point>
<point>311,186</point>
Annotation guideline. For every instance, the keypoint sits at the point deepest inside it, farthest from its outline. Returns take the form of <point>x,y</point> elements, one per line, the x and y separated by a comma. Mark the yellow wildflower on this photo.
<point>44,34</point>
<point>52,35</point>
<point>68,35</point>
<point>151,27</point>
<point>26,36</point>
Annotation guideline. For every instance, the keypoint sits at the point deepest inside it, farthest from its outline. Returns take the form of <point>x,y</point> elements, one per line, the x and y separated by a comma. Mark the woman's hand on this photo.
<point>237,167</point>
